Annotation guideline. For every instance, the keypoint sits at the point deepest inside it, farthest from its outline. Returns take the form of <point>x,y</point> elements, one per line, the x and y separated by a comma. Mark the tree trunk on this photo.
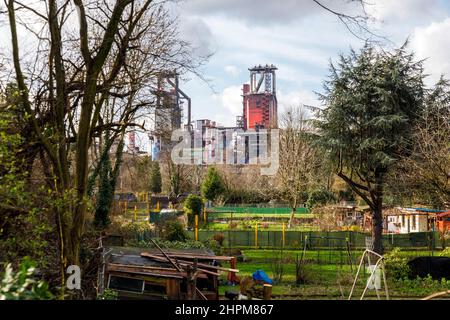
<point>294,210</point>
<point>377,230</point>
<point>377,213</point>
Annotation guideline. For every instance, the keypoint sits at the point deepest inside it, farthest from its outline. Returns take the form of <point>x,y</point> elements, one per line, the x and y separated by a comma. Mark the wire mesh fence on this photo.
<point>343,240</point>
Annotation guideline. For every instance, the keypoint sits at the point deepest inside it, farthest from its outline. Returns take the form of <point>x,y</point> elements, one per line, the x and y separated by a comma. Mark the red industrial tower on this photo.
<point>260,102</point>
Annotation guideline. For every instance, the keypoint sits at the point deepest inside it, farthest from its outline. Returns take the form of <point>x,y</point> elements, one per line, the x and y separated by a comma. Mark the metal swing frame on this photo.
<point>379,264</point>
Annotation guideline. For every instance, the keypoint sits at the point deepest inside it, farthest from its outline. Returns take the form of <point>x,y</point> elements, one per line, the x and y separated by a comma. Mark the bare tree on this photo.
<point>300,161</point>
<point>425,174</point>
<point>105,61</point>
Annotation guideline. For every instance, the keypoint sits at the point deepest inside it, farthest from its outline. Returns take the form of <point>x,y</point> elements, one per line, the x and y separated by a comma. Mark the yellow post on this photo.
<point>125,208</point>
<point>204,215</point>
<point>135,213</point>
<point>284,234</point>
<point>157,206</point>
<point>196,227</point>
<point>256,235</point>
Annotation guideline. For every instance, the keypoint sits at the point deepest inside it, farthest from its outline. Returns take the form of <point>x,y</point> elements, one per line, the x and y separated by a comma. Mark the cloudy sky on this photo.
<point>300,38</point>
<point>297,36</point>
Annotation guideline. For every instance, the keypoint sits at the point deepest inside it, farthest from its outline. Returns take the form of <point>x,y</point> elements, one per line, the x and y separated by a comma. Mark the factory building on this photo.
<point>260,106</point>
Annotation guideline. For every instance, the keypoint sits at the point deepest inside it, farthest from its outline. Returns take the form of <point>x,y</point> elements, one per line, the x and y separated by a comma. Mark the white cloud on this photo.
<point>232,70</point>
<point>229,102</point>
<point>433,43</point>
<point>402,10</point>
<point>295,98</point>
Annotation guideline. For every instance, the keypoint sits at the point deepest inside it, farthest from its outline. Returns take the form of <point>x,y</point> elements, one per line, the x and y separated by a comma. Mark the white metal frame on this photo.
<point>379,264</point>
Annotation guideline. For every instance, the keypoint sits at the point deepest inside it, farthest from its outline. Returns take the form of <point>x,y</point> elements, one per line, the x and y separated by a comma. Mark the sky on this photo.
<point>301,39</point>
<point>297,36</point>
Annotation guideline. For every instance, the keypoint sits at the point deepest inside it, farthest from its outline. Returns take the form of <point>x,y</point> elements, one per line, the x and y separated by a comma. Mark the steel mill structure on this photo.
<point>211,143</point>
<point>260,106</point>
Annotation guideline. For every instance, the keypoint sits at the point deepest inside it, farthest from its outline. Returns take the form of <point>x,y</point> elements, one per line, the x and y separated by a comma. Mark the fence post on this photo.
<point>196,227</point>
<point>256,235</point>
<point>204,216</point>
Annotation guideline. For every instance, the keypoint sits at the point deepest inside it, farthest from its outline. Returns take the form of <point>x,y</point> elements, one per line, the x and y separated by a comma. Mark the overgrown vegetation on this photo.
<point>21,285</point>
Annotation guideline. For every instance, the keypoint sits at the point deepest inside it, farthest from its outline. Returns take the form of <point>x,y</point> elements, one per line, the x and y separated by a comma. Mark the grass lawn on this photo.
<point>217,226</point>
<point>329,280</point>
<point>227,215</point>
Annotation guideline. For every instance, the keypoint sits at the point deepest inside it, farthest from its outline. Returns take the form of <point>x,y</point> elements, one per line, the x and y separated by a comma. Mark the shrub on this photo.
<point>193,206</point>
<point>220,238</point>
<point>302,274</point>
<point>174,231</point>
<point>396,265</point>
<point>213,185</point>
<point>21,285</point>
<point>108,294</point>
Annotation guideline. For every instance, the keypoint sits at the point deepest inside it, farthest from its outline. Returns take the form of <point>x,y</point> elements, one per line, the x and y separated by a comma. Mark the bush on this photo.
<point>396,265</point>
<point>220,238</point>
<point>21,285</point>
<point>213,185</point>
<point>174,231</point>
<point>193,206</point>
<point>108,294</point>
<point>421,286</point>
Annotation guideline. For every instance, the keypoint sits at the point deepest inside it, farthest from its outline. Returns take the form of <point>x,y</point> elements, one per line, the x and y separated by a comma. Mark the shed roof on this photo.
<point>132,255</point>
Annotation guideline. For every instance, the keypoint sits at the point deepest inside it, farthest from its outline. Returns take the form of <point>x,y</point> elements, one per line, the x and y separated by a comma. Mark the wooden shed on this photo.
<point>147,274</point>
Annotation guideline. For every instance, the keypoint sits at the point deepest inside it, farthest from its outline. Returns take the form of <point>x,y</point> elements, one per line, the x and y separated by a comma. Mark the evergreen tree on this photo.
<point>193,206</point>
<point>372,101</point>
<point>107,177</point>
<point>155,178</point>
<point>213,185</point>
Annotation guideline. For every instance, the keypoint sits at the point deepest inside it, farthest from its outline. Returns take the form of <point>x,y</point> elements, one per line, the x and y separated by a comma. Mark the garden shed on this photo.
<point>153,274</point>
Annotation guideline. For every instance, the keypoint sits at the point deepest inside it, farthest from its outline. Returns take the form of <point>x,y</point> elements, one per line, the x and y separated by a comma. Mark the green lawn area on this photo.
<point>227,215</point>
<point>330,280</point>
<point>273,226</point>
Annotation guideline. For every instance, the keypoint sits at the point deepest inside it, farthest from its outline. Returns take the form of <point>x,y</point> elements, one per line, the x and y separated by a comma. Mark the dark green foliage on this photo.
<point>23,225</point>
<point>193,206</point>
<point>107,176</point>
<point>213,185</point>
<point>155,178</point>
<point>174,231</point>
<point>320,198</point>
<point>372,102</point>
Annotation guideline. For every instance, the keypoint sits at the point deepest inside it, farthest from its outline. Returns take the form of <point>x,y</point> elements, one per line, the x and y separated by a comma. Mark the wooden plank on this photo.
<point>203,265</point>
<point>145,271</point>
<point>143,267</point>
<point>200,257</point>
<point>168,258</point>
<point>187,263</point>
<point>141,275</point>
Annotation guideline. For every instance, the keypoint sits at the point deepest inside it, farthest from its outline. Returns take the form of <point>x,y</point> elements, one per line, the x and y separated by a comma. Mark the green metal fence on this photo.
<point>313,239</point>
<point>257,210</point>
